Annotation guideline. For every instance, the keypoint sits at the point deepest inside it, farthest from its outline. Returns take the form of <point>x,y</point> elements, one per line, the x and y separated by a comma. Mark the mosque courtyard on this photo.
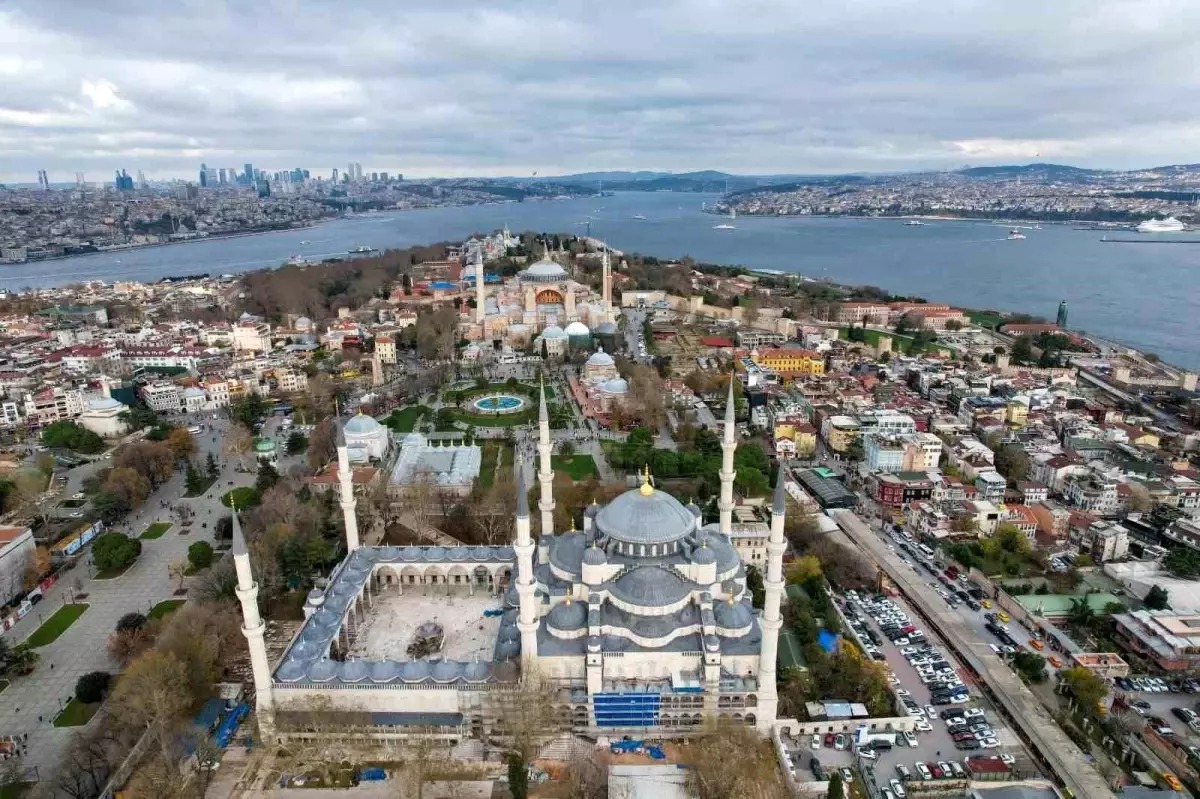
<point>393,620</point>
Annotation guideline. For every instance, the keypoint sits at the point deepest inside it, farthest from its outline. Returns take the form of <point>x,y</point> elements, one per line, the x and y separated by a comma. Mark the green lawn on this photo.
<point>3,686</point>
<point>988,319</point>
<point>487,467</point>
<point>243,496</point>
<point>155,530</point>
<point>403,420</point>
<point>579,466</point>
<point>56,625</point>
<point>490,420</point>
<point>15,790</point>
<point>165,608</point>
<point>76,714</point>
<point>899,342</point>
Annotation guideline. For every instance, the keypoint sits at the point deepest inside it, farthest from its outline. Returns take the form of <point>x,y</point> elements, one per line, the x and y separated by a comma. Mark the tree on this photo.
<point>1157,598</point>
<point>296,443</point>
<point>181,443</point>
<point>152,460</point>
<point>267,477</point>
<point>836,787</point>
<point>1086,686</point>
<point>1012,461</point>
<point>131,621</point>
<point>321,449</point>
<point>90,687</point>
<point>21,659</point>
<point>69,435</point>
<point>731,762</point>
<point>37,566</point>
<point>138,417</point>
<point>113,550</point>
<point>200,555</point>
<point>1139,497</point>
<point>518,777</point>
<point>28,486</point>
<point>44,462</point>
<point>129,487</point>
<point>566,450</point>
<point>194,480</point>
<point>1183,563</point>
<point>152,695</point>
<point>237,441</point>
<point>248,410</point>
<point>212,467</point>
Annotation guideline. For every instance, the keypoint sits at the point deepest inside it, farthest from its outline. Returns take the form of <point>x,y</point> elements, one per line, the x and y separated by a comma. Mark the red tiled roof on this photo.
<point>716,341</point>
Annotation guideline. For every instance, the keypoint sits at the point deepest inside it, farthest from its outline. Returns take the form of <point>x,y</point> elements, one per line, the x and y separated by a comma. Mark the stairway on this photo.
<point>565,748</point>
<point>471,750</point>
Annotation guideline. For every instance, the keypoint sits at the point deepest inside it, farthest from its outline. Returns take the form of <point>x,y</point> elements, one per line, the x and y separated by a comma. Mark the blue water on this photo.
<point>498,403</point>
<point>1147,295</point>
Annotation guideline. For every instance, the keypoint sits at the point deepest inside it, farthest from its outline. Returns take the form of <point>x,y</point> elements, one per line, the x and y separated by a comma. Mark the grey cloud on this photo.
<point>467,87</point>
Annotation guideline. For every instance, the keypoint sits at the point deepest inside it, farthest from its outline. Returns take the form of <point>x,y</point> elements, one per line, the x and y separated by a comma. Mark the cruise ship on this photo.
<point>1168,225</point>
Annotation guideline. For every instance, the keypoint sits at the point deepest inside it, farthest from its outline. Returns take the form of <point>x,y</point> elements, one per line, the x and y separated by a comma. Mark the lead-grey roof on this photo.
<point>568,616</point>
<point>650,586</point>
<point>636,518</point>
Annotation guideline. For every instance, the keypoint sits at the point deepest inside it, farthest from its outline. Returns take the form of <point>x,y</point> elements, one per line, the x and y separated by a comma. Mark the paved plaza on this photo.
<point>30,703</point>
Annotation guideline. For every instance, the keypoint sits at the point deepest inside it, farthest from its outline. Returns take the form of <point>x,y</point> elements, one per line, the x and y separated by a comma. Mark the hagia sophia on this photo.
<point>641,621</point>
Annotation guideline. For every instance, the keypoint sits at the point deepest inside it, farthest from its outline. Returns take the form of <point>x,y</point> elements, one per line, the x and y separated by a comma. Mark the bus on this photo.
<point>926,550</point>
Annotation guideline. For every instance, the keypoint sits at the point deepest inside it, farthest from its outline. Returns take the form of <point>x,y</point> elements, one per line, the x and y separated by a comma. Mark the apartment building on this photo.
<point>163,398</point>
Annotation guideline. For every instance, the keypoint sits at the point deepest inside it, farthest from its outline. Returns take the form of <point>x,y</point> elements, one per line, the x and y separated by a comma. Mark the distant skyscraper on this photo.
<point>335,175</point>
<point>79,179</point>
<point>263,187</point>
<point>203,175</point>
<point>142,182</point>
<point>221,176</point>
<point>357,171</point>
<point>350,171</point>
<point>1062,315</point>
<point>383,176</point>
<point>123,182</point>
<point>249,174</point>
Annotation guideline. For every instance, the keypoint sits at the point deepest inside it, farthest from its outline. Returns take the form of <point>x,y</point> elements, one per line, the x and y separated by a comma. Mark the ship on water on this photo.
<point>1015,234</point>
<point>1168,225</point>
<point>732,215</point>
<point>914,223</point>
<point>361,249</point>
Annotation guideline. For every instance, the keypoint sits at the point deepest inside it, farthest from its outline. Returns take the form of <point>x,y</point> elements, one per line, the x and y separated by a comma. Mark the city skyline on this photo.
<point>470,90</point>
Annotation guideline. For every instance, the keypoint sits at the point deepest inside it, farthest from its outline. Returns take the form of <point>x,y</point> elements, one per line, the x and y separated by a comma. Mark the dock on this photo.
<point>1150,241</point>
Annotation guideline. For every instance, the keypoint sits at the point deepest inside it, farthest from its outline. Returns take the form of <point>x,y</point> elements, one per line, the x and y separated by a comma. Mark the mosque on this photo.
<point>542,304</point>
<point>641,622</point>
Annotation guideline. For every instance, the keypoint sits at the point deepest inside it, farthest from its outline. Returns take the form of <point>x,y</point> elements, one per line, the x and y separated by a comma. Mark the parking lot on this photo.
<point>934,742</point>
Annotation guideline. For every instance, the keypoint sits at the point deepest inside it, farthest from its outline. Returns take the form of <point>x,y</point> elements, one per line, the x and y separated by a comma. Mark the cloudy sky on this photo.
<point>467,87</point>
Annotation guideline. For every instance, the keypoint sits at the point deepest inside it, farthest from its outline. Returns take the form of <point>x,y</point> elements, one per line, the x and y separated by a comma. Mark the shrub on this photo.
<point>130,622</point>
<point>200,555</point>
<point>90,688</point>
<point>115,551</point>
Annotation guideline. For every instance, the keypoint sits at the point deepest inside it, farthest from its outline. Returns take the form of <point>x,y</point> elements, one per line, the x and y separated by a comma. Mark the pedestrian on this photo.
<point>39,719</point>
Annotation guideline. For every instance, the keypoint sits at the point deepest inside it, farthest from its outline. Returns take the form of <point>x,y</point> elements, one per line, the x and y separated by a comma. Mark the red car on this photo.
<point>829,739</point>
<point>935,770</point>
<point>908,628</point>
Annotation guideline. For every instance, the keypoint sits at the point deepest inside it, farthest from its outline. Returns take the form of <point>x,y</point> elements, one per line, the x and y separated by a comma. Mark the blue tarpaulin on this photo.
<point>827,640</point>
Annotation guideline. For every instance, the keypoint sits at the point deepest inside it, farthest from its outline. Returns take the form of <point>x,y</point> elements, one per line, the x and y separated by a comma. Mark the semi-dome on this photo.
<point>578,329</point>
<point>362,425</point>
<point>645,516</point>
<point>651,586</point>
<point>616,386</point>
<point>568,616</point>
<point>544,271</point>
<point>600,358</point>
<point>554,331</point>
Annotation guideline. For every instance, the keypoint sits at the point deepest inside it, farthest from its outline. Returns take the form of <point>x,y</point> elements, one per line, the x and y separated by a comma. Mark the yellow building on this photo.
<point>840,432</point>
<point>786,360</point>
<point>1016,413</point>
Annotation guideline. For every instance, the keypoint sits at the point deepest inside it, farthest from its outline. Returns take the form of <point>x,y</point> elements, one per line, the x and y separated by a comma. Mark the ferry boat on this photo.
<point>914,223</point>
<point>1015,234</point>
<point>1168,225</point>
<point>361,249</point>
<point>639,216</point>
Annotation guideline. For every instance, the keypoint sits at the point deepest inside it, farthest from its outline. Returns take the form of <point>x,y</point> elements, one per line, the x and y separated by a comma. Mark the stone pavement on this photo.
<point>82,648</point>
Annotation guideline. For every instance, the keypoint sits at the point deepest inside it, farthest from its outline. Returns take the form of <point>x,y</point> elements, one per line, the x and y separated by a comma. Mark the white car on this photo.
<point>816,742</point>
<point>902,692</point>
<point>924,771</point>
<point>867,754</point>
<point>973,713</point>
<point>910,738</point>
<point>923,726</point>
<point>989,743</point>
<point>954,722</point>
<point>897,788</point>
<point>1008,760</point>
<point>931,711</point>
<point>960,699</point>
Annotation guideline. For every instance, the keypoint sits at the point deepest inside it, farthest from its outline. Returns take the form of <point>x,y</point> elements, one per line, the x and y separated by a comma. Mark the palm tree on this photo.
<point>1081,613</point>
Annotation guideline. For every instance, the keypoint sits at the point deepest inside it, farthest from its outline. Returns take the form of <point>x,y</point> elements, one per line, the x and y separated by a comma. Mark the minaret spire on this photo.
<point>346,488</point>
<point>254,629</point>
<point>545,473</point>
<point>772,621</point>
<point>527,619</point>
<point>480,293</point>
<point>728,473</point>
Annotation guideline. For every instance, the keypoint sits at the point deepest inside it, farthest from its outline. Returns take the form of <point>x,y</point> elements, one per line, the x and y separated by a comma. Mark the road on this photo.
<point>1025,711</point>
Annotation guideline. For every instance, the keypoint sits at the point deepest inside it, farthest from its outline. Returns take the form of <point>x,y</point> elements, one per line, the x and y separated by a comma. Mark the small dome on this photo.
<point>616,386</point>
<point>704,555</point>
<point>446,671</point>
<point>264,445</point>
<point>578,329</point>
<point>508,650</point>
<point>732,615</point>
<point>606,328</point>
<point>600,358</point>
<point>554,331</point>
<point>594,556</point>
<point>568,616</point>
<point>362,425</point>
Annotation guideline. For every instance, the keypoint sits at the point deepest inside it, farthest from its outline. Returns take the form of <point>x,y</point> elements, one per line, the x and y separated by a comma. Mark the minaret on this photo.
<point>606,286</point>
<point>527,619</point>
<point>728,445</point>
<point>480,294</point>
<point>771,621</point>
<point>545,474</point>
<point>253,628</point>
<point>346,486</point>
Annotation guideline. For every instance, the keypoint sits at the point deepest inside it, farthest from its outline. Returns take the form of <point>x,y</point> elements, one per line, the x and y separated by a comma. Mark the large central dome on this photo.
<point>645,516</point>
<point>544,271</point>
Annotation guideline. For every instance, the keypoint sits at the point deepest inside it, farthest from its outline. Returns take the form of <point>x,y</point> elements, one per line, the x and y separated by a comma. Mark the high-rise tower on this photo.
<point>1062,315</point>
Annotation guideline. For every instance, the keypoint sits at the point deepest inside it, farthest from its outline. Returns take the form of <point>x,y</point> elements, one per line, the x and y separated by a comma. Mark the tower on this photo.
<point>346,486</point>
<point>545,474</point>
<point>527,619</point>
<point>376,370</point>
<point>1062,315</point>
<point>606,286</point>
<point>728,445</point>
<point>772,621</point>
<point>480,293</point>
<point>254,629</point>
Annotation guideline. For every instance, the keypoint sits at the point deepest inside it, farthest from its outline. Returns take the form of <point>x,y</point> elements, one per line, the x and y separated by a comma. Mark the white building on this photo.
<point>16,544</point>
<point>163,397</point>
<point>883,453</point>
<point>291,380</point>
<point>251,335</point>
<point>194,400</point>
<point>102,415</point>
<point>218,393</point>
<point>54,404</point>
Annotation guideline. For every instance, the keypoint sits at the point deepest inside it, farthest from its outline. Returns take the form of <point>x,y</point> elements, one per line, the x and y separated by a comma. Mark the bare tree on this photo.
<point>528,712</point>
<point>586,776</point>
<point>84,767</point>
<point>732,762</point>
